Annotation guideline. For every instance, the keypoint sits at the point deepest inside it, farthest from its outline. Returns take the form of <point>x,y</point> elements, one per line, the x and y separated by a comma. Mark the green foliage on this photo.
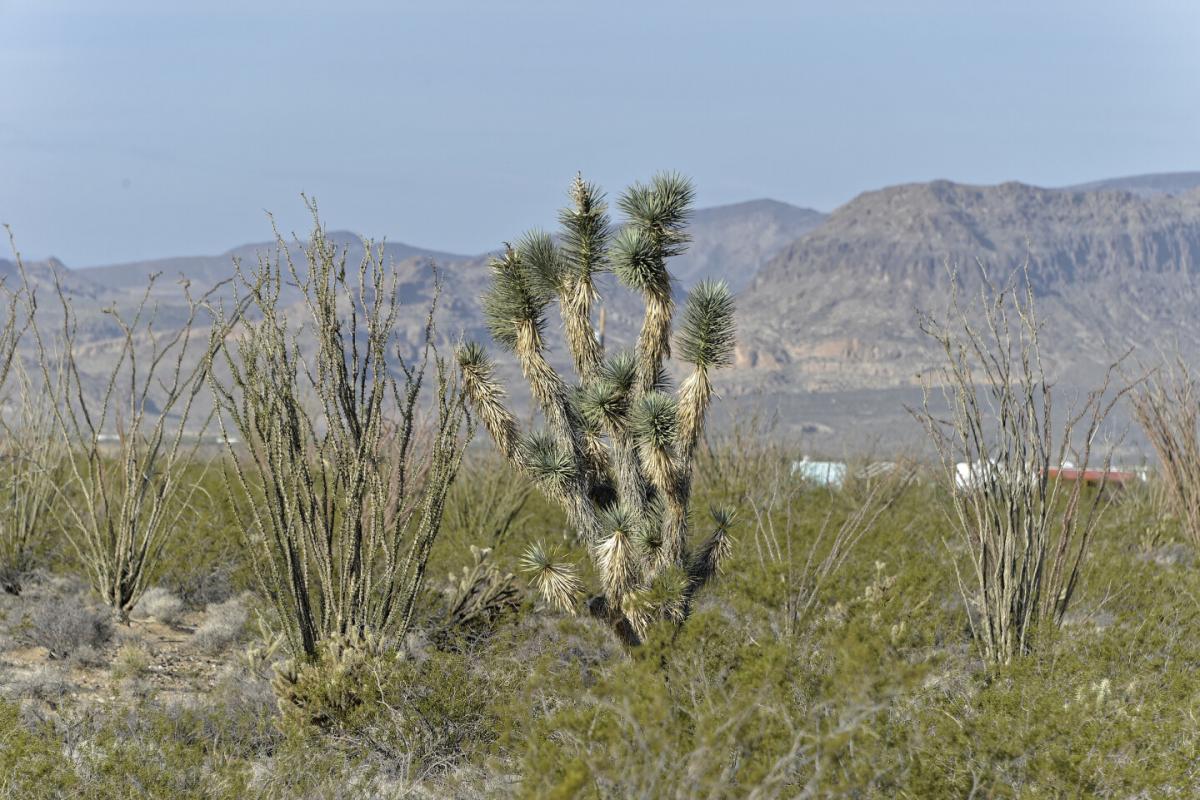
<point>635,261</point>
<point>434,708</point>
<point>881,694</point>
<point>706,336</point>
<point>518,297</point>
<point>32,762</point>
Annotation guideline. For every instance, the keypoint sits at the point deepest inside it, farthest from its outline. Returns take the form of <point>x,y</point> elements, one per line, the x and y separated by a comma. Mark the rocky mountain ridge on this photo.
<point>827,304</point>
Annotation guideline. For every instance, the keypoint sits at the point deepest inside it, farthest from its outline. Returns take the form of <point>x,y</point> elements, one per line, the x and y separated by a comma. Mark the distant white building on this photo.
<point>822,473</point>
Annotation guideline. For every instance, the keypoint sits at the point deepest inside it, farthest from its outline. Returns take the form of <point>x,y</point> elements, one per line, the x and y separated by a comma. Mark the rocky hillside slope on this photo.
<point>837,310</point>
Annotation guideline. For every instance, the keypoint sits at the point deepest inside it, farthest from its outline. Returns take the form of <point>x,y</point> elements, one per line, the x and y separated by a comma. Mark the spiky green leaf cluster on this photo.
<point>474,359</point>
<point>542,261</point>
<point>706,336</point>
<point>637,261</point>
<point>668,593</point>
<point>662,209</point>
<point>615,555</point>
<point>518,296</point>
<point>556,579</point>
<point>655,421</point>
<point>650,535</point>
<point>620,372</point>
<point>619,519</point>
<point>710,558</point>
<point>585,229</point>
<point>605,403</point>
<point>548,461</point>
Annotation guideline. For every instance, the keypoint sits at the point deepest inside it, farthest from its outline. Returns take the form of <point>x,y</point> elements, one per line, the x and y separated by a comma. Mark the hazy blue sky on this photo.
<point>140,129</point>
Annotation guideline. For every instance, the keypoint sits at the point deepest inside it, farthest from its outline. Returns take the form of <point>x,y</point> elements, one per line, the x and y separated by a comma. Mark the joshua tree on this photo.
<point>618,445</point>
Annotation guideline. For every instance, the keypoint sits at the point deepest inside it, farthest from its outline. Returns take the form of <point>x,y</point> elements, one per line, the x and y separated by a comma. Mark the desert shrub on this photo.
<point>687,719</point>
<point>88,657</point>
<point>223,624</point>
<point>206,562</point>
<point>130,442</point>
<point>617,453</point>
<point>781,504</point>
<point>205,748</point>
<point>343,483</point>
<point>476,599</point>
<point>133,750</point>
<point>65,624</point>
<point>235,717</point>
<point>1167,407</point>
<point>1026,533</point>
<point>429,712</point>
<point>160,604</point>
<point>32,762</point>
<point>130,663</point>
<point>47,682</point>
<point>1075,719</point>
<point>489,500</point>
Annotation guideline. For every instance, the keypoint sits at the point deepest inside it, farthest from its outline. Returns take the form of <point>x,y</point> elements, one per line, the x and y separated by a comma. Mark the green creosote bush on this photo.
<point>618,446</point>
<point>434,709</point>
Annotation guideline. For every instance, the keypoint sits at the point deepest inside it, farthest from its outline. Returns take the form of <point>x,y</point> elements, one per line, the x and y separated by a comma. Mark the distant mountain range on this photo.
<point>1159,183</point>
<point>827,303</point>
<point>836,310</point>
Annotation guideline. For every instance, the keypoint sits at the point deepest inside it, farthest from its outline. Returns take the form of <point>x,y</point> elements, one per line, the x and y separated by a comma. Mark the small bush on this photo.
<point>63,625</point>
<point>87,657</point>
<point>223,624</point>
<point>428,714</point>
<point>32,762</point>
<point>200,588</point>
<point>160,604</point>
<point>131,662</point>
<point>43,682</point>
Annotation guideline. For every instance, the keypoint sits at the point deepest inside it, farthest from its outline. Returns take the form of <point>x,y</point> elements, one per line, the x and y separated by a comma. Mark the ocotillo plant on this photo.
<point>125,430</point>
<point>1167,407</point>
<point>343,483</point>
<point>31,450</point>
<point>617,449</point>
<point>32,470</point>
<point>1027,534</point>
